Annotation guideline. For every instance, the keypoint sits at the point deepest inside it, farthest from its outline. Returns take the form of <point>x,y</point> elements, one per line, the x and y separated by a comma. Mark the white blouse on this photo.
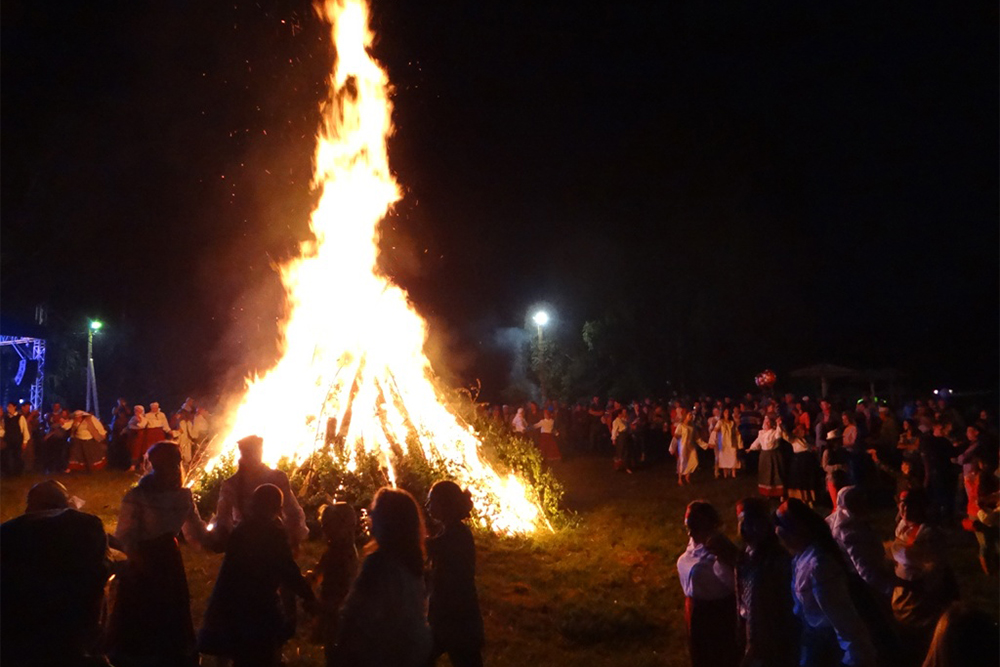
<point>768,439</point>
<point>702,576</point>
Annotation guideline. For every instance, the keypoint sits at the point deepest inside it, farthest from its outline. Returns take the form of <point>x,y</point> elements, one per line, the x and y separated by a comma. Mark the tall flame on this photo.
<point>352,346</point>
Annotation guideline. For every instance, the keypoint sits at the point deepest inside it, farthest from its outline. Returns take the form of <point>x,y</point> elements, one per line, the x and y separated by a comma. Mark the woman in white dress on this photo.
<point>684,447</point>
<point>725,439</point>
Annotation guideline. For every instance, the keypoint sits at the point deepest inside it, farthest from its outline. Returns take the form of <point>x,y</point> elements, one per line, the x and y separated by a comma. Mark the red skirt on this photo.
<point>141,440</point>
<point>548,445</point>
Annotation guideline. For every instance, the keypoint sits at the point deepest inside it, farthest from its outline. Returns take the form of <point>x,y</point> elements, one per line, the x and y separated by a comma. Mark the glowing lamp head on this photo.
<point>541,318</point>
<point>96,326</point>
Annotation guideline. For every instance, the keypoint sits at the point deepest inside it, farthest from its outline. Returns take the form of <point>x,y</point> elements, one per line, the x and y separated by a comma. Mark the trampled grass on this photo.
<point>602,593</point>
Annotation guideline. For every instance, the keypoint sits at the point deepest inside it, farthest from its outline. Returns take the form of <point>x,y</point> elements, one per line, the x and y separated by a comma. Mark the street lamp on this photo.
<point>541,318</point>
<point>93,407</point>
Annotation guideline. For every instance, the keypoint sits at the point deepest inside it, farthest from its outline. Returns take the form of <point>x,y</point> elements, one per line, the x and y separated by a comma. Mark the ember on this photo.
<point>352,345</point>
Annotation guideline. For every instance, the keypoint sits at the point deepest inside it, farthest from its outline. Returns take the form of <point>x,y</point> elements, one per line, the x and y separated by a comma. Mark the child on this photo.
<point>244,618</point>
<point>335,571</point>
<point>383,622</point>
<point>453,611</point>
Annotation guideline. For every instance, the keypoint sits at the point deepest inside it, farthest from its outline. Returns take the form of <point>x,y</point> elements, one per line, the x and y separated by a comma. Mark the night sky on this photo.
<point>756,186</point>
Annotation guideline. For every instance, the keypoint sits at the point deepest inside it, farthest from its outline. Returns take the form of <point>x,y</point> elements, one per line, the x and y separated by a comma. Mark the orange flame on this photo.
<point>352,345</point>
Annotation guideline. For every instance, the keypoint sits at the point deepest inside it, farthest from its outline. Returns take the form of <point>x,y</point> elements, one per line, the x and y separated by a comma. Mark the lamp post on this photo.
<point>541,318</point>
<point>93,407</point>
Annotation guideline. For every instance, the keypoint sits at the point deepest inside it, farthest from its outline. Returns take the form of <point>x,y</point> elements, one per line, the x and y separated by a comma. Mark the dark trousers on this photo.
<point>10,461</point>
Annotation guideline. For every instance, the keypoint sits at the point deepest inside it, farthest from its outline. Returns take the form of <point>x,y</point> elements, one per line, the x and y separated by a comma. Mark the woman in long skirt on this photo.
<point>771,467</point>
<point>151,621</point>
<point>726,440</point>
<point>805,473</point>
<point>684,447</point>
<point>547,437</point>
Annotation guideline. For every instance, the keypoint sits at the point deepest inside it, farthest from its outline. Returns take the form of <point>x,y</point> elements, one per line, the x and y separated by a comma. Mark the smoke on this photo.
<point>514,342</point>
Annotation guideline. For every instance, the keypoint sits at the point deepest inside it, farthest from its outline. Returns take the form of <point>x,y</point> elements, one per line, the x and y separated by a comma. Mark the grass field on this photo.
<point>603,593</point>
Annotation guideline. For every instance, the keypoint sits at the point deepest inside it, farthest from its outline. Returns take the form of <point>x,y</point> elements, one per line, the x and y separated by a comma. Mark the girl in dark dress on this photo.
<point>453,611</point>
<point>336,570</point>
<point>244,618</point>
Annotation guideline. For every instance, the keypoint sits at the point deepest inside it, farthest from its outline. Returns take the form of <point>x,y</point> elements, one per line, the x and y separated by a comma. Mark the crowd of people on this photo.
<point>410,600</point>
<point>61,440</point>
<point>807,591</point>
<point>797,447</point>
<point>801,590</point>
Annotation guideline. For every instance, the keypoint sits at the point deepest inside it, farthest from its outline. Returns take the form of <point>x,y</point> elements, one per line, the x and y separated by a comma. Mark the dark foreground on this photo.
<point>602,593</point>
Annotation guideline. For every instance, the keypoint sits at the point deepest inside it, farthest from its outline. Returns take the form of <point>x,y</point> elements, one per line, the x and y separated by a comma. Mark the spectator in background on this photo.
<point>826,421</point>
<point>909,438</point>
<point>138,438</point>
<point>200,428</point>
<point>183,435</point>
<point>804,474</point>
<point>835,463</point>
<point>888,431</point>
<point>940,478</point>
<point>31,446</point>
<point>87,445</point>
<point>546,436</point>
<point>684,446</point>
<point>14,439</point>
<point>186,411</point>
<point>621,438</point>
<point>53,450</point>
<point>118,451</point>
<point>724,437</point>
<point>156,419</point>
<point>771,467</point>
<point>519,423</point>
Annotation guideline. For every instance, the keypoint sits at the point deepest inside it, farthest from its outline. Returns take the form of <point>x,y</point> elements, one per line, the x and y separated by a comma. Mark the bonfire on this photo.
<point>352,373</point>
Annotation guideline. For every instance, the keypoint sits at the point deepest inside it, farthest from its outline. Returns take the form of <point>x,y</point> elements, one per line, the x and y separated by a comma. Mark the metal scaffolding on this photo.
<point>29,349</point>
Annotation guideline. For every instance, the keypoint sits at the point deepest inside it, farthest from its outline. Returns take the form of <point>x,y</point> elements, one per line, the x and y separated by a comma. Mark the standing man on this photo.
<point>118,453</point>
<point>234,505</point>
<point>52,454</point>
<point>234,496</point>
<point>14,440</point>
<point>31,446</point>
